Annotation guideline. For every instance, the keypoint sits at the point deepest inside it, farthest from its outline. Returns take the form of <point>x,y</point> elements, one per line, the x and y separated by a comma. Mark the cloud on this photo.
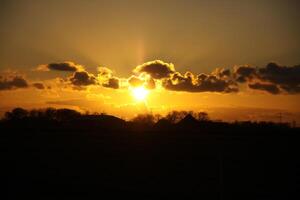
<point>157,69</point>
<point>39,86</point>
<point>64,66</point>
<point>143,80</point>
<point>112,83</point>
<point>244,73</point>
<point>13,82</point>
<point>287,78</point>
<point>218,81</point>
<point>135,81</point>
<point>150,84</point>
<point>273,78</point>
<point>269,87</point>
<point>104,72</point>
<point>107,79</point>
<point>83,78</point>
<point>201,83</point>
<point>221,72</point>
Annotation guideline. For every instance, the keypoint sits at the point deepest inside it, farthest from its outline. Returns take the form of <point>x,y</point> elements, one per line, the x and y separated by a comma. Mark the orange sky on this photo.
<point>51,52</point>
<point>245,104</point>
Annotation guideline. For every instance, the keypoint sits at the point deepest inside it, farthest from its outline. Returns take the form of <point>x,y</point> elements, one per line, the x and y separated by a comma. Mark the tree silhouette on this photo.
<point>176,116</point>
<point>202,116</point>
<point>16,114</point>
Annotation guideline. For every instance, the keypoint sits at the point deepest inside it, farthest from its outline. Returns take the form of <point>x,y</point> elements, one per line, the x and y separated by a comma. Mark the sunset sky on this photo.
<point>236,60</point>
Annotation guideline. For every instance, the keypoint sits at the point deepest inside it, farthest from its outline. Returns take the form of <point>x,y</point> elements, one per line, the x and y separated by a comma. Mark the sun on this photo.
<point>140,93</point>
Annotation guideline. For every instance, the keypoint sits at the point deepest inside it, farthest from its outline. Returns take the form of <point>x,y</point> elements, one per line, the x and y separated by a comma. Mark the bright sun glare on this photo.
<point>140,93</point>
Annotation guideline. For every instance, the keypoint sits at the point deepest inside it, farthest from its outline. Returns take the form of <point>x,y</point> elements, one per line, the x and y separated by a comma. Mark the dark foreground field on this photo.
<point>179,161</point>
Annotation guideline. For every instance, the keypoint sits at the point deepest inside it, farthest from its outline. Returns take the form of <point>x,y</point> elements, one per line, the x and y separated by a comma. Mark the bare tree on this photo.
<point>202,116</point>
<point>176,116</point>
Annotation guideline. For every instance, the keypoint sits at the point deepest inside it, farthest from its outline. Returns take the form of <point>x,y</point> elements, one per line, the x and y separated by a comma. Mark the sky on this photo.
<point>86,54</point>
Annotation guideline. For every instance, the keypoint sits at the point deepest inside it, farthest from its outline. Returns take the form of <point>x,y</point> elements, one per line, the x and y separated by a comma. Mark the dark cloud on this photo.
<point>83,78</point>
<point>201,83</point>
<point>269,87</point>
<point>273,78</point>
<point>287,78</point>
<point>64,66</point>
<point>156,69</point>
<point>244,73</point>
<point>107,79</point>
<point>222,73</point>
<point>12,82</point>
<point>112,83</point>
<point>219,81</point>
<point>39,86</point>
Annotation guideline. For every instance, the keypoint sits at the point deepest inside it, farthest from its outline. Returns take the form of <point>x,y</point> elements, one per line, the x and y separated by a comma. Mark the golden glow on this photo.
<point>140,93</point>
